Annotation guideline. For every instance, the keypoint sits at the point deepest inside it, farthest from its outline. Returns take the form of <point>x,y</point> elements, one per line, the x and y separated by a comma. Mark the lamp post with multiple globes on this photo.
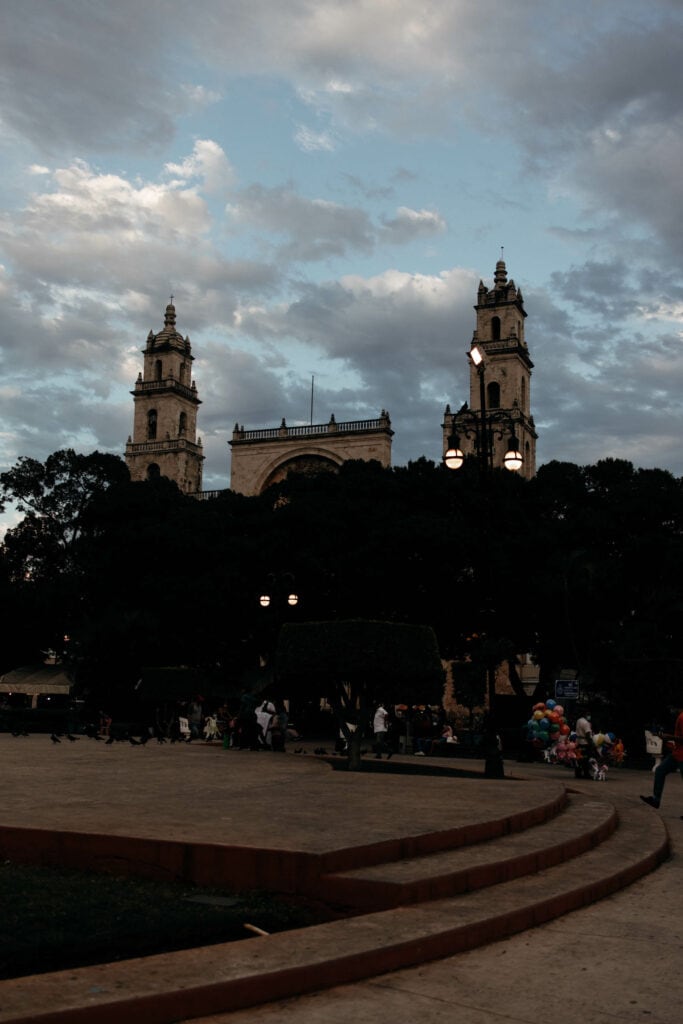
<point>484,426</point>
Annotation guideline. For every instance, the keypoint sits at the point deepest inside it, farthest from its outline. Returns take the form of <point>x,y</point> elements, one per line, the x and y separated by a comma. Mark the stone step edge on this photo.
<point>351,889</point>
<point>167,988</point>
<point>215,864</point>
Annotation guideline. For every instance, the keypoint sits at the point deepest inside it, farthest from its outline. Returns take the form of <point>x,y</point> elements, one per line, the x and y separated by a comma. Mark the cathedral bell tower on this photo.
<point>506,373</point>
<point>164,441</point>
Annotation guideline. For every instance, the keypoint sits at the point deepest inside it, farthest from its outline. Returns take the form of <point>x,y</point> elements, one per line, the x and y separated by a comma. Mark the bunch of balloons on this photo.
<point>548,732</point>
<point>547,725</point>
<point>610,749</point>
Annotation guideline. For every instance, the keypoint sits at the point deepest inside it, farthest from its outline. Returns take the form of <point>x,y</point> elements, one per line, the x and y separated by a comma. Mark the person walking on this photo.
<point>671,763</point>
<point>278,727</point>
<point>264,717</point>
<point>380,728</point>
<point>584,747</point>
<point>195,716</point>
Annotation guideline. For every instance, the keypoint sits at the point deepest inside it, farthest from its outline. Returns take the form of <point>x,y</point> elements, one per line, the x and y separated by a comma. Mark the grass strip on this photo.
<point>55,919</point>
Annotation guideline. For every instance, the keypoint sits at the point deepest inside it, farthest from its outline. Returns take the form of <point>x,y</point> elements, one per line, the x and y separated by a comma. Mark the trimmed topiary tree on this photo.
<point>356,663</point>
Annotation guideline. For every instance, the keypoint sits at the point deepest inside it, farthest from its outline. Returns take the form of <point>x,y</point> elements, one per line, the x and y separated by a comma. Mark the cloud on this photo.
<point>95,233</point>
<point>307,229</point>
<point>410,224</point>
<point>207,164</point>
<point>199,95</point>
<point>86,74</point>
<point>311,141</point>
<point>394,332</point>
<point>313,229</point>
<point>578,90</point>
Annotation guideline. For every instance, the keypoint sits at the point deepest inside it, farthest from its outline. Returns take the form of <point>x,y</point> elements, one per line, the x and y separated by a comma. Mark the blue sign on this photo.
<point>566,689</point>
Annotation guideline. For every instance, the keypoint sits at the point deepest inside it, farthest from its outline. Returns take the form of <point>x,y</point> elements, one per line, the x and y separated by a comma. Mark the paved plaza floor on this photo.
<point>617,959</point>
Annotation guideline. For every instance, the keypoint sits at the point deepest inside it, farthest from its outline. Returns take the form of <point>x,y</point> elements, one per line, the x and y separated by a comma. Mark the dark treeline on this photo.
<point>580,566</point>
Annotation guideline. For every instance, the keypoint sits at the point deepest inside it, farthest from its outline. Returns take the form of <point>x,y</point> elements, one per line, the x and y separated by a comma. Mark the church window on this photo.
<point>182,373</point>
<point>153,471</point>
<point>493,395</point>
<point>158,369</point>
<point>523,392</point>
<point>151,425</point>
<point>495,328</point>
<point>182,424</point>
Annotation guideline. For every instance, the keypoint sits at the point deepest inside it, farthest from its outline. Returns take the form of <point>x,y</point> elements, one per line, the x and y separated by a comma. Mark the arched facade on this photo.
<point>260,458</point>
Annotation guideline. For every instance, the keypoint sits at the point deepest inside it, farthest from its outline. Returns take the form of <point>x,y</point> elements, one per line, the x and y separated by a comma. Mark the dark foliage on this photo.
<point>581,566</point>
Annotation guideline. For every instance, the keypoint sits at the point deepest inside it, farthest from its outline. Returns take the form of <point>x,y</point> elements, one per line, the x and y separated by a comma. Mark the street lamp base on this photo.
<point>493,766</point>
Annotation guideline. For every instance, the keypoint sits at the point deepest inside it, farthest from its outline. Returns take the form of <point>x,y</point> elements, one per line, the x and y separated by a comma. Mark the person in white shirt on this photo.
<point>264,717</point>
<point>585,746</point>
<point>380,728</point>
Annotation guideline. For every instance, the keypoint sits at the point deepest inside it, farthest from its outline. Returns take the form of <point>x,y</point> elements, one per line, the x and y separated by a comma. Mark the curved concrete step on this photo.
<point>231,976</point>
<point>582,825</point>
<point>289,867</point>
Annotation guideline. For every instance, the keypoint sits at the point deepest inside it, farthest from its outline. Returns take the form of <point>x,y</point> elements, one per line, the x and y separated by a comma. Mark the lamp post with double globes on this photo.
<point>278,595</point>
<point>484,426</point>
<point>278,588</point>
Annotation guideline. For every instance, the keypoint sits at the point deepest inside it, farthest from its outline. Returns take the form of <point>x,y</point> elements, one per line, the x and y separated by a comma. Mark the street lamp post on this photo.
<point>483,447</point>
<point>278,592</point>
<point>275,588</point>
<point>483,425</point>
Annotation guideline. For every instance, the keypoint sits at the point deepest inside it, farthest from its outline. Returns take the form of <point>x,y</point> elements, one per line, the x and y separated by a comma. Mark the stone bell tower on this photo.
<point>499,337</point>
<point>164,441</point>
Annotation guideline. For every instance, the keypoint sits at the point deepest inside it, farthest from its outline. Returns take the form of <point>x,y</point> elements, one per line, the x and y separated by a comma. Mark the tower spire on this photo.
<point>169,317</point>
<point>501,275</point>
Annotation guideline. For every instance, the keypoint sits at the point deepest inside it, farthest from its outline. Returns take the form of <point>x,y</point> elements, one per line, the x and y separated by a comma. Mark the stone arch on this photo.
<point>306,460</point>
<point>493,395</point>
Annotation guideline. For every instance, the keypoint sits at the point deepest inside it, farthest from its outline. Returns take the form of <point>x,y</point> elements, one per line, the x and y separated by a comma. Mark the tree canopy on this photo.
<point>581,567</point>
<point>358,663</point>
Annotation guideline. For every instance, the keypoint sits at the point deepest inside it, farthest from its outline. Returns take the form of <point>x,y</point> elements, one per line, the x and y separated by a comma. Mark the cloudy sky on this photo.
<point>321,184</point>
